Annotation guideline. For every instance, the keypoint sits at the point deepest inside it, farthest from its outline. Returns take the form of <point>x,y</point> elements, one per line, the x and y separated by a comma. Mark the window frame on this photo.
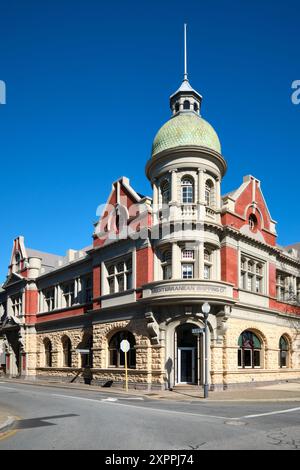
<point>119,273</point>
<point>117,354</point>
<point>253,352</point>
<point>252,271</point>
<point>187,187</point>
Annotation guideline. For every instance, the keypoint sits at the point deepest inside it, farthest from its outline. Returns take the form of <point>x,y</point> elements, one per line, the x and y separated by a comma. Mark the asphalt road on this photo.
<point>54,418</point>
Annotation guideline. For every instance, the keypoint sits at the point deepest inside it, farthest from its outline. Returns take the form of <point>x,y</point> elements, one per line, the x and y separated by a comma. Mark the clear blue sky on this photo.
<point>88,84</point>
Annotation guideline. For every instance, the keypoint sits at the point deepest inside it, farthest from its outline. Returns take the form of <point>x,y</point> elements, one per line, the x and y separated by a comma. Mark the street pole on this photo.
<point>205,311</point>
<point>126,373</point>
<point>206,359</point>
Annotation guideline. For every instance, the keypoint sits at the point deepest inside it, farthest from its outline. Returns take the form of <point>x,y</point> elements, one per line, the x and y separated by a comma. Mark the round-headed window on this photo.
<point>252,221</point>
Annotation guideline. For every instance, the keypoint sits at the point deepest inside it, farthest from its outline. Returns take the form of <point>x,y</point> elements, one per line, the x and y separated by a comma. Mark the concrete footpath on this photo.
<point>282,392</point>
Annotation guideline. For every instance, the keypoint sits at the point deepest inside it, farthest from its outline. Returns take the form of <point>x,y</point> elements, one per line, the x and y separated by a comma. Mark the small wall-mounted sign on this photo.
<point>198,331</point>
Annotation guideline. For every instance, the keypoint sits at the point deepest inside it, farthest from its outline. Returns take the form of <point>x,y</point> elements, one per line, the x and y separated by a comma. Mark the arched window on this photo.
<point>252,221</point>
<point>48,352</point>
<point>116,356</point>
<point>165,192</point>
<point>209,193</point>
<point>283,352</point>
<point>176,107</point>
<point>186,104</point>
<point>249,350</point>
<point>167,265</point>
<point>196,107</point>
<point>67,352</point>
<point>187,190</point>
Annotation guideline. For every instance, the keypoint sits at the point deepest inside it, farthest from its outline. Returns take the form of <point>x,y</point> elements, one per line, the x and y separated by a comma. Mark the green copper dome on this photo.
<point>186,129</point>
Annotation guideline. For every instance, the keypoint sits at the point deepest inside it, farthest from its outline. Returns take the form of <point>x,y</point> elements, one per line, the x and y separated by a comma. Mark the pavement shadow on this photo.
<point>39,422</point>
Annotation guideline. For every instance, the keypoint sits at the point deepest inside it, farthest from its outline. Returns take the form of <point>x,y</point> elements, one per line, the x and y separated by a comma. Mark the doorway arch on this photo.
<point>188,355</point>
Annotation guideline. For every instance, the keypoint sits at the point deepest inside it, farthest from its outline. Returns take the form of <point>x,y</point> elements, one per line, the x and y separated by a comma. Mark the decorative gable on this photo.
<point>12,279</point>
<point>124,214</point>
<point>246,210</point>
<point>18,257</point>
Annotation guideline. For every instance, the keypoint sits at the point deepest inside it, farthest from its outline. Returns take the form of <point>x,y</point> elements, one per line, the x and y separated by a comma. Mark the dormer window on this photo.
<point>17,257</point>
<point>186,105</point>
<point>176,107</point>
<point>196,107</point>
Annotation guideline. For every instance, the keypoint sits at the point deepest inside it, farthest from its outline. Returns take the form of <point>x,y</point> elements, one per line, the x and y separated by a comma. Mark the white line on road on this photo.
<point>134,398</point>
<point>290,410</point>
<point>9,388</point>
<point>143,408</point>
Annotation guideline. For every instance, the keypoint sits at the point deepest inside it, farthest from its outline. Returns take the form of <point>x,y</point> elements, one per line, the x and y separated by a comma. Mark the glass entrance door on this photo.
<point>186,365</point>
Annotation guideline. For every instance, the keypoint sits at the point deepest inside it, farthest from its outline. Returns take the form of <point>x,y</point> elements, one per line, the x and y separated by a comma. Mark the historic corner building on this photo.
<point>188,245</point>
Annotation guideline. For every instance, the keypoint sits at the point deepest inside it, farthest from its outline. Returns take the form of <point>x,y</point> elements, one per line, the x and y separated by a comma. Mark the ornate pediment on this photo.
<point>12,279</point>
<point>10,323</point>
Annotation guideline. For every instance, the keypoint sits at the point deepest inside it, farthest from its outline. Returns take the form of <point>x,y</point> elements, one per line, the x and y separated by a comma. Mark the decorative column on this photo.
<point>201,186</point>
<point>201,260</point>
<point>173,186</point>
<point>134,268</point>
<point>218,194</point>
<point>58,300</point>
<point>78,290</point>
<point>155,202</point>
<point>102,282</point>
<point>176,259</point>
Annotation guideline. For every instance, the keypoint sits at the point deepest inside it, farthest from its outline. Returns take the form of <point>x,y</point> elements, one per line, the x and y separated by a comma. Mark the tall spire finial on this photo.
<point>185,77</point>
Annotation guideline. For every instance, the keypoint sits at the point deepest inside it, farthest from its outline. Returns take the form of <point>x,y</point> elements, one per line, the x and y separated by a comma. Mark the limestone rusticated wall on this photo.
<point>149,359</point>
<point>225,371</point>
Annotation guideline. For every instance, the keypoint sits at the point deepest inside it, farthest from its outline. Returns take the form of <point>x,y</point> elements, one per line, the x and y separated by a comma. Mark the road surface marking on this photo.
<point>9,388</point>
<point>143,408</point>
<point>290,410</point>
<point>137,398</point>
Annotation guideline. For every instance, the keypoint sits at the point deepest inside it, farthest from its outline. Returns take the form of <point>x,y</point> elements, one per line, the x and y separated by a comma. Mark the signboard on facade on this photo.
<point>204,289</point>
<point>198,331</point>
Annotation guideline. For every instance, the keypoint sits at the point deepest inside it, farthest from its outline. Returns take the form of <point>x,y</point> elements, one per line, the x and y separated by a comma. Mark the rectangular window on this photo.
<point>187,271</point>
<point>119,277</point>
<point>207,271</point>
<point>256,354</point>
<point>17,306</point>
<point>167,272</point>
<point>49,299</point>
<point>247,358</point>
<point>121,283</point>
<point>69,294</point>
<point>244,281</point>
<point>88,286</point>
<point>111,284</point>
<point>240,358</point>
<point>187,195</point>
<point>252,272</point>
<point>258,284</point>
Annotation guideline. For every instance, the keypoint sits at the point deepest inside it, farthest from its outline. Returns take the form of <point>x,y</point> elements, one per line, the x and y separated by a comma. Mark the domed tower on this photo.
<point>185,170</point>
